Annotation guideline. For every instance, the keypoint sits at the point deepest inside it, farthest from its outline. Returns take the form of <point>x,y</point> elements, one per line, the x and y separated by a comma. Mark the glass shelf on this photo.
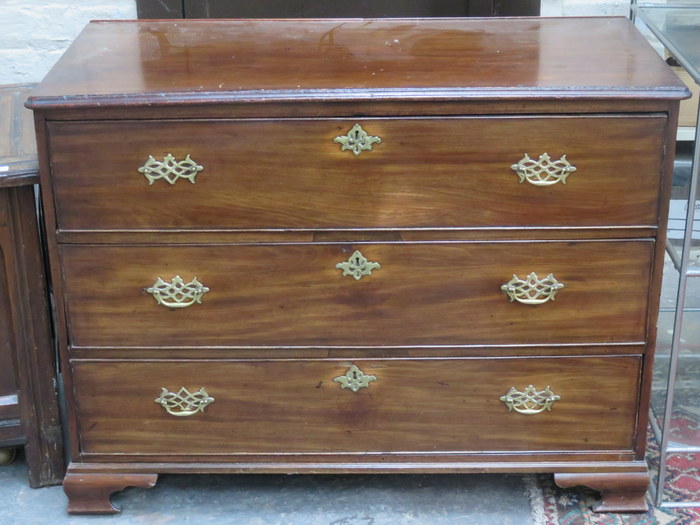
<point>678,29</point>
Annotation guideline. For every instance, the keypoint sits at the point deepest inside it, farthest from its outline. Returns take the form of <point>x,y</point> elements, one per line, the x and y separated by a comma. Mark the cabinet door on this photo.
<point>10,431</point>
<point>330,9</point>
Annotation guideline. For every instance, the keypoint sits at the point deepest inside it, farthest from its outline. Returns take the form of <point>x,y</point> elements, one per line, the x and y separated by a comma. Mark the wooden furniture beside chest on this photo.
<point>28,405</point>
<point>357,246</point>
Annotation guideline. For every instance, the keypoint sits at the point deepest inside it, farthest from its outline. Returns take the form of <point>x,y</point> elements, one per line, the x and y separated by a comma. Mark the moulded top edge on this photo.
<point>387,95</point>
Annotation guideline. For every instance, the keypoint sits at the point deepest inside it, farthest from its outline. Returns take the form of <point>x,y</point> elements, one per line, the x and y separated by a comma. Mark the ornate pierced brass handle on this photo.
<point>177,293</point>
<point>543,171</point>
<point>530,401</point>
<point>184,403</point>
<point>354,379</point>
<point>170,169</point>
<point>356,140</point>
<point>532,289</point>
<point>358,266</point>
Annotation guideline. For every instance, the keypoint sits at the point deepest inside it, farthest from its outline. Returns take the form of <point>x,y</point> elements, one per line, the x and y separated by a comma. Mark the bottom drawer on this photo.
<point>398,405</point>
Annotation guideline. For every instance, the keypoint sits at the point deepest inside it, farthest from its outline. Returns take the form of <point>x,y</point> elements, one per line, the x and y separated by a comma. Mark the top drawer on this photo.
<point>292,173</point>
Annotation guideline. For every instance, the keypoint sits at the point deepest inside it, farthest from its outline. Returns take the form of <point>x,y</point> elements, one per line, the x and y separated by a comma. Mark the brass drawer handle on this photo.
<point>357,140</point>
<point>354,379</point>
<point>170,169</point>
<point>532,290</point>
<point>530,401</point>
<point>177,293</point>
<point>184,403</point>
<point>358,266</point>
<point>543,171</point>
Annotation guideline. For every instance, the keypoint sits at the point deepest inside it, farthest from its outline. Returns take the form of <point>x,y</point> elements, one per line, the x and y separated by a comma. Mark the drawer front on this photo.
<point>407,405</point>
<point>298,294</point>
<point>425,172</point>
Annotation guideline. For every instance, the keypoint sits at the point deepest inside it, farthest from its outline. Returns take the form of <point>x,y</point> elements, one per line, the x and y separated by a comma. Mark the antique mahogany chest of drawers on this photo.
<point>357,246</point>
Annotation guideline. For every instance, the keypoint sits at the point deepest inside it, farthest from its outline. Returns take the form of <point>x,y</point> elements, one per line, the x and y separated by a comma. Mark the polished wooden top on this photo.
<point>213,61</point>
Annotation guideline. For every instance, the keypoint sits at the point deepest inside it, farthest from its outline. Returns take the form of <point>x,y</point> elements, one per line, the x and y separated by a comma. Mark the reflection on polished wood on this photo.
<point>213,60</point>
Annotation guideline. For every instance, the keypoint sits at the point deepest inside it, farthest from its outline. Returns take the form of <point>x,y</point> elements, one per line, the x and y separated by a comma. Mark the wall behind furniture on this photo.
<point>34,33</point>
<point>585,7</point>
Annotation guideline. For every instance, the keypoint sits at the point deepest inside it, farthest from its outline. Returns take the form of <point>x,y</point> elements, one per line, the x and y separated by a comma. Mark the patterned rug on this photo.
<point>552,505</point>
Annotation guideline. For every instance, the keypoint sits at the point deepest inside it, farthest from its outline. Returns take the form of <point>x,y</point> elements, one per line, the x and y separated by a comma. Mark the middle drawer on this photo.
<point>357,294</point>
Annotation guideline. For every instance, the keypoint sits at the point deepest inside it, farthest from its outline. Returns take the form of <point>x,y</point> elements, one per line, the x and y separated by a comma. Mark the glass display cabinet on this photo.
<point>674,452</point>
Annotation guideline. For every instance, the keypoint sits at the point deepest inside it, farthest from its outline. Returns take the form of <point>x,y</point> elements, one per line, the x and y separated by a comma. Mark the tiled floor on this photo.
<point>477,499</point>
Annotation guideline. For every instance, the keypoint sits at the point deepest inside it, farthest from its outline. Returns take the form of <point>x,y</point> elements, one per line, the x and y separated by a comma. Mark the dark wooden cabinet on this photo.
<point>357,246</point>
<point>334,9</point>
<point>28,402</point>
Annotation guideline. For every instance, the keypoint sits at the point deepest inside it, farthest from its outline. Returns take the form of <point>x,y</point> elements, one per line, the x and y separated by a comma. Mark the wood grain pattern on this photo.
<point>473,92</point>
<point>425,173</point>
<point>424,293</point>
<point>294,406</point>
<point>210,61</point>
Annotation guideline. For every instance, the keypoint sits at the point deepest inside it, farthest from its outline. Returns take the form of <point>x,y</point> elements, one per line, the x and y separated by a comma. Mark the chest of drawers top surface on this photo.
<point>213,61</point>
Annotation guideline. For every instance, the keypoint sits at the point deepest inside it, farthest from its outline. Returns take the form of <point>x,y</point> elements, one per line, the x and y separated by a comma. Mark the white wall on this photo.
<point>585,7</point>
<point>34,33</point>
